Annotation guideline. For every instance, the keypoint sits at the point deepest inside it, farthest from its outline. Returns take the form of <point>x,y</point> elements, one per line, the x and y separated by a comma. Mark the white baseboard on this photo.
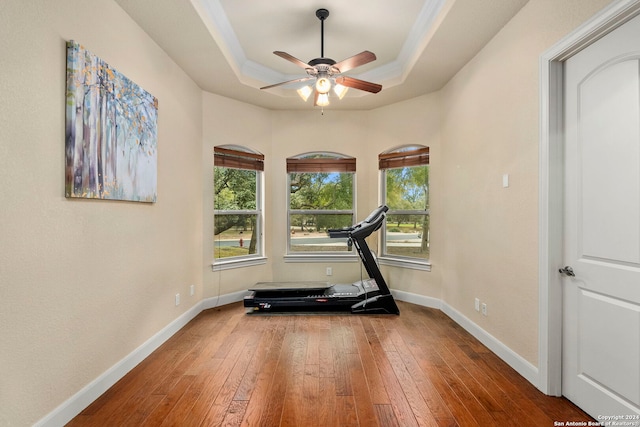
<point>522,366</point>
<point>511,358</point>
<point>417,299</point>
<point>83,398</point>
<point>223,299</point>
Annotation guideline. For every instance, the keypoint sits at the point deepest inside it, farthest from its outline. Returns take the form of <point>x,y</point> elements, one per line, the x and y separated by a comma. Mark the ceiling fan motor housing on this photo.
<point>322,61</point>
<point>322,67</point>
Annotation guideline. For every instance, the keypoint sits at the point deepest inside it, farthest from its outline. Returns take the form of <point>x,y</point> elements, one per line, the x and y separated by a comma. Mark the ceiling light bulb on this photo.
<point>323,100</point>
<point>340,90</point>
<point>305,92</point>
<point>323,85</point>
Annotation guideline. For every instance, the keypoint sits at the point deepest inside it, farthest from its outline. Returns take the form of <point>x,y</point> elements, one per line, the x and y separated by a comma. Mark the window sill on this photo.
<point>237,263</point>
<point>405,263</point>
<point>321,258</point>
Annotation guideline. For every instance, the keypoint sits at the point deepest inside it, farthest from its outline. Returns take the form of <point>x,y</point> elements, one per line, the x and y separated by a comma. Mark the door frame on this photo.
<point>551,185</point>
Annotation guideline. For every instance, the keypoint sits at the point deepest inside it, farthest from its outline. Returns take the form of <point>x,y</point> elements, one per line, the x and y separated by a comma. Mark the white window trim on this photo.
<point>246,260</point>
<point>409,263</point>
<point>396,260</point>
<point>318,256</point>
<point>237,262</point>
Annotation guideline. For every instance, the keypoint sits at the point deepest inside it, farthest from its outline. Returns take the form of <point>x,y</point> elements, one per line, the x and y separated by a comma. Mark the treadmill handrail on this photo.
<point>374,216</point>
<point>367,228</point>
<point>376,212</point>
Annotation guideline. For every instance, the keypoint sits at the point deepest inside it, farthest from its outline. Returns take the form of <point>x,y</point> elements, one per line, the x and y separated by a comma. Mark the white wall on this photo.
<point>84,283</point>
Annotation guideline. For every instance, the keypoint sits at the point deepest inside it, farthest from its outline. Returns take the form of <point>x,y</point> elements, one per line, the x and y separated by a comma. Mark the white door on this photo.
<point>601,303</point>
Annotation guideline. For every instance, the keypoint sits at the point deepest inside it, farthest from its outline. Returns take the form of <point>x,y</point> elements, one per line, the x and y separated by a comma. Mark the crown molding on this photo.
<point>254,74</point>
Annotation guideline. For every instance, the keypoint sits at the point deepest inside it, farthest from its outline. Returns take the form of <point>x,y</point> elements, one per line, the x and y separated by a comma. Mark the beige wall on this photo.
<point>231,122</point>
<point>282,134</point>
<point>294,133</point>
<point>482,125</point>
<point>417,121</point>
<point>490,128</point>
<point>84,283</point>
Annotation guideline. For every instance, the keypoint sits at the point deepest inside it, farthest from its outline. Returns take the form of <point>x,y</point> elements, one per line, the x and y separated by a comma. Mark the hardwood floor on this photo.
<point>226,368</point>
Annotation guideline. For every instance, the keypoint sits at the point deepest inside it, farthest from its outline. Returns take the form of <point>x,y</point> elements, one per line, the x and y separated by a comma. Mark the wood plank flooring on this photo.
<point>226,368</point>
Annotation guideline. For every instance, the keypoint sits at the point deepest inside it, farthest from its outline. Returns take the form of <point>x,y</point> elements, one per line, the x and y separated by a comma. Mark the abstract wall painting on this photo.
<point>111,140</point>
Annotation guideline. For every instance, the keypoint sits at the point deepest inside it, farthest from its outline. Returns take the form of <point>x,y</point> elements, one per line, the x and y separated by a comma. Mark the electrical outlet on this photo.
<point>177,299</point>
<point>477,304</point>
<point>484,309</point>
<point>329,271</point>
<point>192,290</point>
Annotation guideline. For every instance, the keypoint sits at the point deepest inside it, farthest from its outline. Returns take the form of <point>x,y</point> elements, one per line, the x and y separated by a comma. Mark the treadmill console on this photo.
<point>369,285</point>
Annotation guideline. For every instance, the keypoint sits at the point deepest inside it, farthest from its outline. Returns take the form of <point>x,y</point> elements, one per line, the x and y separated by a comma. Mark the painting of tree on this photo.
<point>111,135</point>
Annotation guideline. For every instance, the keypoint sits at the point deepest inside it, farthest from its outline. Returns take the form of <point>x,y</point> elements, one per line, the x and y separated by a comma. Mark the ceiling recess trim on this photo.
<point>255,75</point>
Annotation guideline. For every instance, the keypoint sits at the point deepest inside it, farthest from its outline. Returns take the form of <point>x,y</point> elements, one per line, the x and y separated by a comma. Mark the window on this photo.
<point>237,203</point>
<point>321,196</point>
<point>405,190</point>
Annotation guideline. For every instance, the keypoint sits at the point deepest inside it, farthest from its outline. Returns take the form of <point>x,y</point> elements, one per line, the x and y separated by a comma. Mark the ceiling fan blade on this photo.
<point>355,61</point>
<point>293,59</point>
<point>303,79</point>
<point>359,84</point>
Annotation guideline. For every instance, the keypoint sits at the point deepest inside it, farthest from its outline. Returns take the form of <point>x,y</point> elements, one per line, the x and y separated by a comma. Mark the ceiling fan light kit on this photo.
<point>323,84</point>
<point>322,100</point>
<point>340,90</point>
<point>328,73</point>
<point>305,92</point>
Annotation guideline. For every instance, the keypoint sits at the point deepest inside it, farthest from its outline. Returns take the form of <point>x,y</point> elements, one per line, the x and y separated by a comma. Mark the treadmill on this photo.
<point>371,296</point>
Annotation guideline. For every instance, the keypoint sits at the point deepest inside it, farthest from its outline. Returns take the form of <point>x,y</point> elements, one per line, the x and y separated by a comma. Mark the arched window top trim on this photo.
<point>404,156</point>
<point>237,157</point>
<point>320,155</point>
<point>404,148</point>
<point>239,148</point>
<point>321,161</point>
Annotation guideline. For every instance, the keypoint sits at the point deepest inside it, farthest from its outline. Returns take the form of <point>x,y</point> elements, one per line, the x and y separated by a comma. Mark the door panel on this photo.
<point>601,303</point>
<point>609,341</point>
<point>609,160</point>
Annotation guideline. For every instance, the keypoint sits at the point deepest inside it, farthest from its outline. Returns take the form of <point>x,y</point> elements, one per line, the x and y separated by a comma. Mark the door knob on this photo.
<point>568,271</point>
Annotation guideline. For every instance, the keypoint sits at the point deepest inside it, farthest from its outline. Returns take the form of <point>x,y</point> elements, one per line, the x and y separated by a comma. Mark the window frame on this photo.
<point>307,163</point>
<point>413,155</point>
<point>243,158</point>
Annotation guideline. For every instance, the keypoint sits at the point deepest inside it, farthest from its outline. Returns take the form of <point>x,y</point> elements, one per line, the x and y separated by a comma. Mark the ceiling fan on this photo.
<point>328,73</point>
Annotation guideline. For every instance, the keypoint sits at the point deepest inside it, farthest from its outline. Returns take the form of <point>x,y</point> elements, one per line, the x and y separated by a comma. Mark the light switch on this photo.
<point>505,180</point>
